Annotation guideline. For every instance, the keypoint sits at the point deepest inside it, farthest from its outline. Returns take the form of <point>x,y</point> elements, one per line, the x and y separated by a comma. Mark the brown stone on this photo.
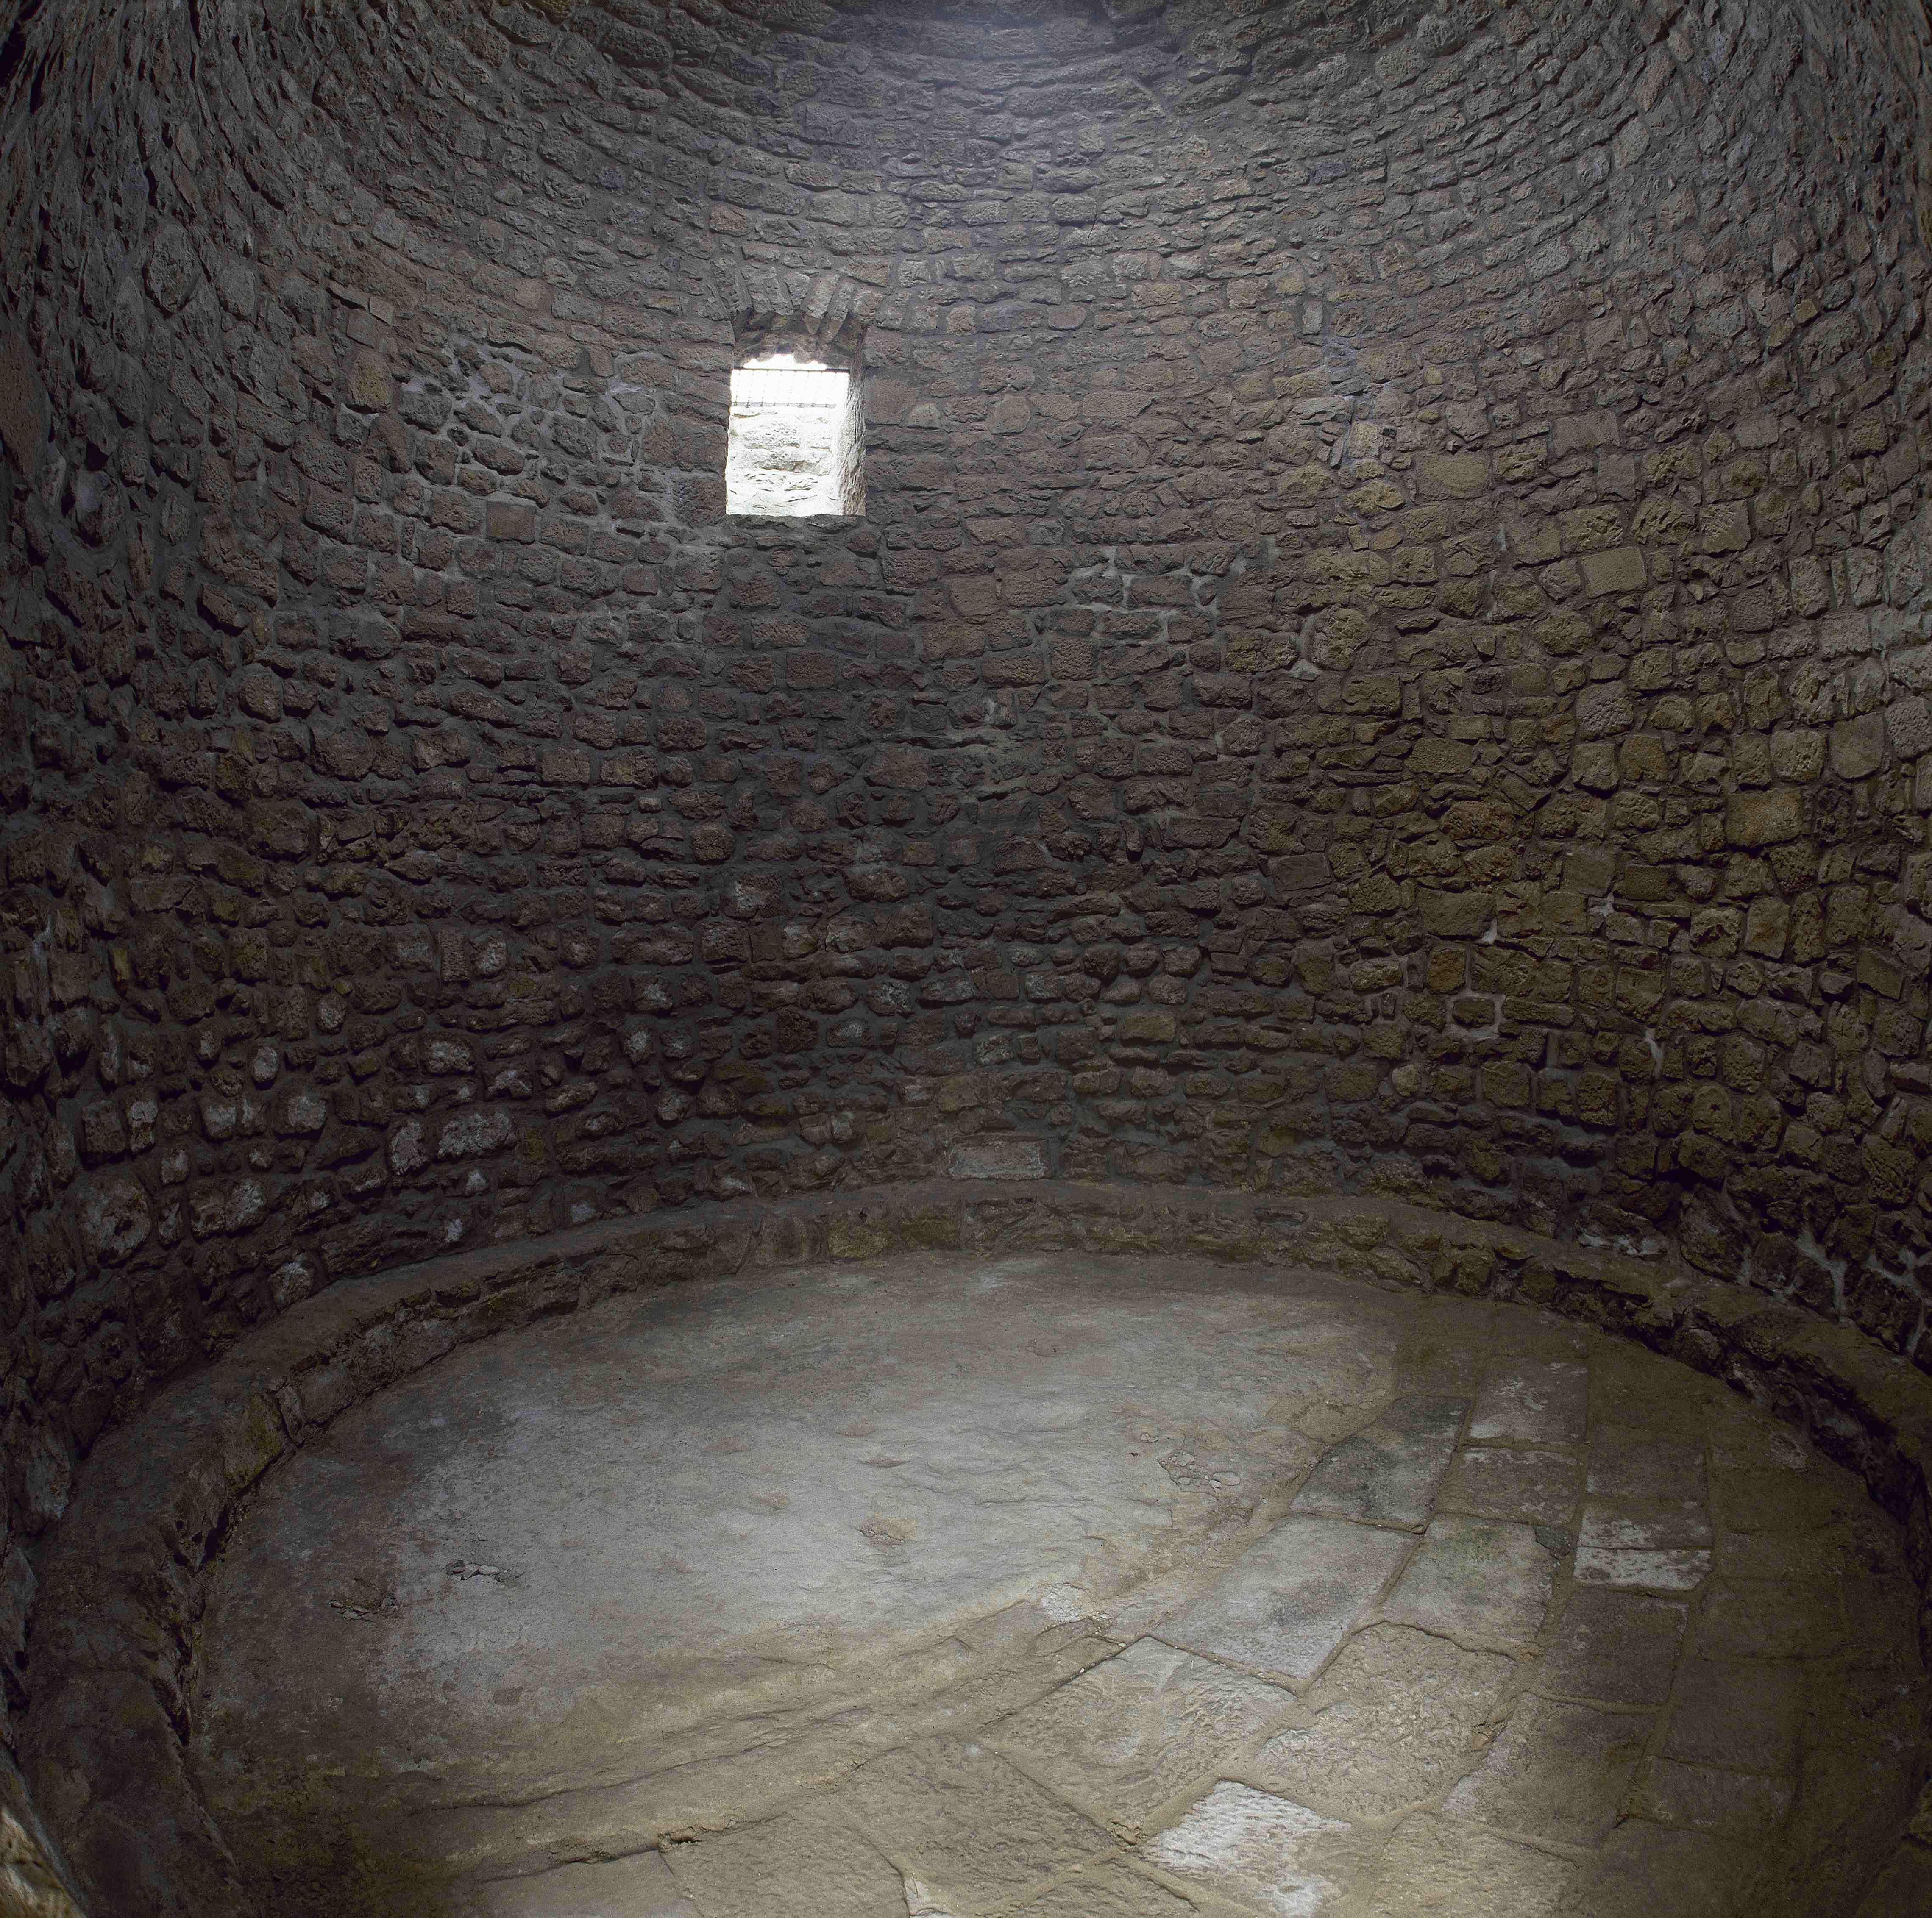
<point>1765,818</point>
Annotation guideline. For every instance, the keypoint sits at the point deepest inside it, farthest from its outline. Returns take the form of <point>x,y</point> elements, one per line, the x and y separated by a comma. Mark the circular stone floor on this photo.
<point>1059,1587</point>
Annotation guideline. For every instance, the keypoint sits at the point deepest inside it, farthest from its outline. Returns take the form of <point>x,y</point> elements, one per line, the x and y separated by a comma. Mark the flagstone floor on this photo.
<point>1060,1587</point>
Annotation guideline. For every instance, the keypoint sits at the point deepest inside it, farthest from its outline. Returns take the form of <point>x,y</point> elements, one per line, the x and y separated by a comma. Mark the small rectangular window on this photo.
<point>797,441</point>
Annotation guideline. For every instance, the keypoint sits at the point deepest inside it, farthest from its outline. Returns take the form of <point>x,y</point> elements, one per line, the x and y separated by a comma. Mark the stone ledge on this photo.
<point>112,1645</point>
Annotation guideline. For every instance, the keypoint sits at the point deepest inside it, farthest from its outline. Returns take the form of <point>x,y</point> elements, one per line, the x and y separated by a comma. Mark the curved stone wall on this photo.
<point>1386,651</point>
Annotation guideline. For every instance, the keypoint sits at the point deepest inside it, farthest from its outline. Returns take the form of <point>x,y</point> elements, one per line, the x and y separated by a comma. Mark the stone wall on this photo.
<point>1387,651</point>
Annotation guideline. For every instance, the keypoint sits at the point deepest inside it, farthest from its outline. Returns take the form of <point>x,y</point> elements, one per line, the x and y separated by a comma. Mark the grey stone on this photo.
<point>1616,1647</point>
<point>1532,1401</point>
<point>1285,1604</point>
<point>1130,1735</point>
<point>1264,1851</point>
<point>638,1887</point>
<point>998,1155</point>
<point>1443,1867</point>
<point>1558,1772</point>
<point>1392,1719</point>
<point>1500,1481</point>
<point>932,1805</point>
<point>1387,1474</point>
<point>1476,1579</point>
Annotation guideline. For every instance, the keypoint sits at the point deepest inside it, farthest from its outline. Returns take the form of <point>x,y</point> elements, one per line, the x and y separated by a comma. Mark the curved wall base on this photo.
<point>113,1644</point>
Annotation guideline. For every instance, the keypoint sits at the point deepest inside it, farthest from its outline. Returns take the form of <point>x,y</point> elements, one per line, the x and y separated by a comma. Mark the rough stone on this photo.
<point>1266,1851</point>
<point>1477,1578</point>
<point>1395,1713</point>
<point>1463,1871</point>
<point>1387,1473</point>
<point>1289,1601</point>
<point>1558,1772</point>
<point>1127,1737</point>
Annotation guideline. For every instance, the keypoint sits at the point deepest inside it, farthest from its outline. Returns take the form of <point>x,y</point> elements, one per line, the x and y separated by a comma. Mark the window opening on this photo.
<point>796,442</point>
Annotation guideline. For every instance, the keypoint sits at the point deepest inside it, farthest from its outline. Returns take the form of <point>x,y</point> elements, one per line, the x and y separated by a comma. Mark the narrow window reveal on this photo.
<point>796,441</point>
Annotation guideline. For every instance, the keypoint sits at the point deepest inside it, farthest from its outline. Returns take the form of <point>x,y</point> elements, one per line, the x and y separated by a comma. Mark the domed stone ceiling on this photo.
<point>1387,653</point>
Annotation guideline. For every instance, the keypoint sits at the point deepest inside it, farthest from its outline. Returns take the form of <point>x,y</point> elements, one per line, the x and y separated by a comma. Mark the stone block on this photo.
<point>1454,915</point>
<point>1284,1606</point>
<point>1619,570</point>
<point>369,388</point>
<point>1559,1772</point>
<point>1725,528</point>
<point>998,1155</point>
<point>1858,746</point>
<point>116,1219</point>
<point>1798,754</point>
<point>1434,755</point>
<point>1767,926</point>
<point>1130,1735</point>
<point>1264,1851</point>
<point>1387,1474</point>
<point>1452,475</point>
<point>1476,1579</point>
<point>1604,711</point>
<point>1390,1724</point>
<point>1576,431</point>
<point>1764,819</point>
<point>1908,728</point>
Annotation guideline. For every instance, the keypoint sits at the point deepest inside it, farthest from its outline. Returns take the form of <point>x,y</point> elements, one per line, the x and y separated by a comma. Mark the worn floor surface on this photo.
<point>1060,1587</point>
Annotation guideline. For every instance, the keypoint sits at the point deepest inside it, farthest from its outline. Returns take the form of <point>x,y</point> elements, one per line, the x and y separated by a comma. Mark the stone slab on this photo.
<point>1617,1648</point>
<point>1269,1852</point>
<point>1130,1735</point>
<point>1392,1719</point>
<point>1559,1772</point>
<point>803,1865</point>
<point>1387,1473</point>
<point>1660,1547</point>
<point>931,1806</point>
<point>1651,1870</point>
<point>1532,1401</point>
<point>1451,1870</point>
<point>1477,1579</point>
<point>1103,1891</point>
<point>1506,1481</point>
<point>999,1155</point>
<point>1283,1607</point>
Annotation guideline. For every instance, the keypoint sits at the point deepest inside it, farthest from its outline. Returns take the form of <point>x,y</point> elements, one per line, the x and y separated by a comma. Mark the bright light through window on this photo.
<point>795,441</point>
